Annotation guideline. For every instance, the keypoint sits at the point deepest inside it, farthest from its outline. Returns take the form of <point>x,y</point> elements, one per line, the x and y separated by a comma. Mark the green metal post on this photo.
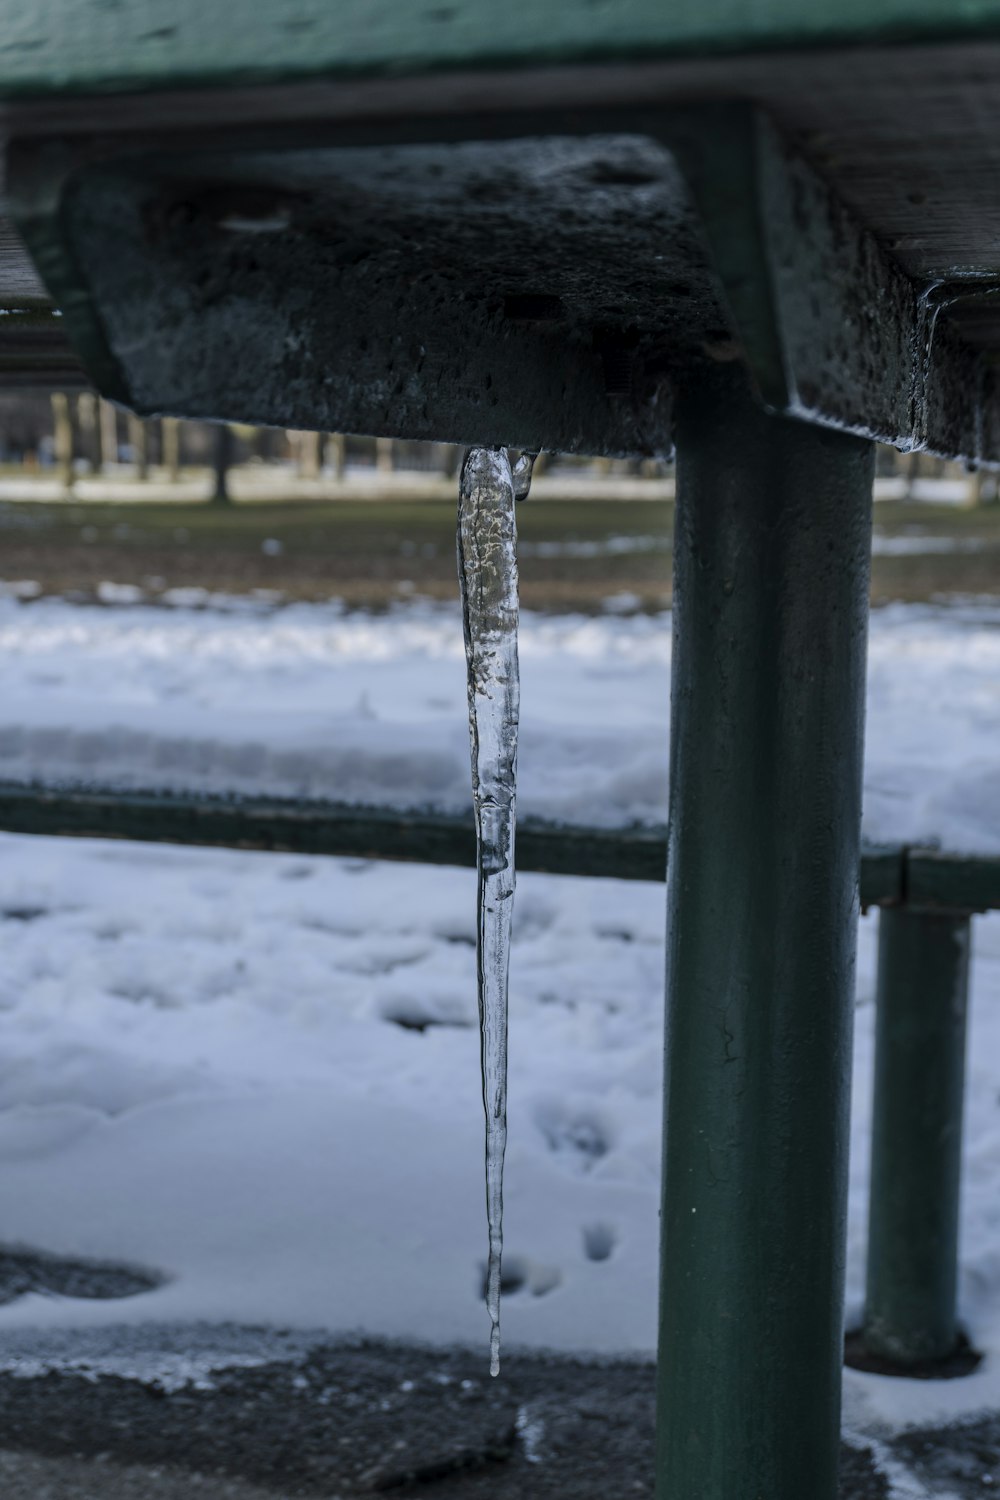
<point>923,977</point>
<point>772,549</point>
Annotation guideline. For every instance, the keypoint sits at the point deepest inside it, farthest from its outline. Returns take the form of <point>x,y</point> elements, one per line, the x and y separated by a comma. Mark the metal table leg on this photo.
<point>770,624</point>
<point>923,977</point>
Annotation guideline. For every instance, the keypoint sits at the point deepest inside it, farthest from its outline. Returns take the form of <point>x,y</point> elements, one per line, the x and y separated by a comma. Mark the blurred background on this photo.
<point>163,504</point>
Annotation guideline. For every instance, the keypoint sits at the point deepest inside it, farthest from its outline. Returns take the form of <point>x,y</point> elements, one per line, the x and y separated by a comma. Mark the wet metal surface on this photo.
<point>550,281</point>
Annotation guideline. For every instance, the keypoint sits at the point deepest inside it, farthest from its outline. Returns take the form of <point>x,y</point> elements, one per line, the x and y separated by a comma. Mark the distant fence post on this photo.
<point>922,994</point>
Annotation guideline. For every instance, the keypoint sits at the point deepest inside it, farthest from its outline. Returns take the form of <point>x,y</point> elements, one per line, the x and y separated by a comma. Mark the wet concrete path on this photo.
<point>336,1422</point>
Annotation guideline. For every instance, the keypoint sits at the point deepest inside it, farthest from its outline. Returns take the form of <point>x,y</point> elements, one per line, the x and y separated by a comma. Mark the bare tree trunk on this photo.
<point>309,455</point>
<point>172,448</point>
<point>139,440</point>
<point>305,448</point>
<point>336,453</point>
<point>222,458</point>
<point>86,418</point>
<point>108,418</point>
<point>452,457</point>
<point>983,489</point>
<point>269,444</point>
<point>63,422</point>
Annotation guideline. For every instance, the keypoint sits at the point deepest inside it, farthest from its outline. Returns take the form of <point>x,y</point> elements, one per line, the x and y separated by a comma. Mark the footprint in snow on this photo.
<point>519,1274</point>
<point>599,1241</point>
<point>23,1271</point>
<point>417,1013</point>
<point>580,1135</point>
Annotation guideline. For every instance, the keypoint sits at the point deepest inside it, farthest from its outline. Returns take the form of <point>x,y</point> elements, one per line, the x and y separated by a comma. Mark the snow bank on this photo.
<point>311,700</point>
<point>213,1067</point>
<point>258,1075</point>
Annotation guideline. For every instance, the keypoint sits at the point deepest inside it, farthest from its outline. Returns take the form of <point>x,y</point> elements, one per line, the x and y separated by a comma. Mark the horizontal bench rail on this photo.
<point>890,874</point>
<point>296,826</point>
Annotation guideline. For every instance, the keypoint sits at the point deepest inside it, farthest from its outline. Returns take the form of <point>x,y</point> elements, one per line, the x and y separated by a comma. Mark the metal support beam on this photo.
<point>770,621</point>
<point>562,327</point>
<point>312,826</point>
<point>923,975</point>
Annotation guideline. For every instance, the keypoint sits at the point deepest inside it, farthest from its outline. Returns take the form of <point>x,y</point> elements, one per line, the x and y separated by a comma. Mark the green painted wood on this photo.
<point>71,47</point>
<point>771,562</point>
<point>923,982</point>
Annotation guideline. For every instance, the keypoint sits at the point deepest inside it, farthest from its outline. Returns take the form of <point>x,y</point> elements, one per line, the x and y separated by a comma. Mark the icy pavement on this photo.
<point>350,1419</point>
<point>29,1476</point>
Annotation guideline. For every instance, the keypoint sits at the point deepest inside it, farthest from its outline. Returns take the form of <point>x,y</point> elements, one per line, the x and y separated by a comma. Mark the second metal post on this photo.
<point>923,979</point>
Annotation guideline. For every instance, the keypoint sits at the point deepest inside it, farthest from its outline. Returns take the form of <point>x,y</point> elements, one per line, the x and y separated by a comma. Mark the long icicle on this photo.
<point>487,566</point>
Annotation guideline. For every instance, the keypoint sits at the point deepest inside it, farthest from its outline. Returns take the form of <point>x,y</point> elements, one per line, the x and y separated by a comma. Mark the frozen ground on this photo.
<point>351,1419</point>
<point>258,1075</point>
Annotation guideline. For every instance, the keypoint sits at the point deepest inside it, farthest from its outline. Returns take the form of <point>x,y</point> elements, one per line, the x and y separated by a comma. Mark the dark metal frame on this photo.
<point>871,353</point>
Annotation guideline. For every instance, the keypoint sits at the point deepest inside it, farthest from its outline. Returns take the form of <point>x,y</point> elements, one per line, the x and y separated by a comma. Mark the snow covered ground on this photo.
<point>259,1074</point>
<point>313,700</point>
